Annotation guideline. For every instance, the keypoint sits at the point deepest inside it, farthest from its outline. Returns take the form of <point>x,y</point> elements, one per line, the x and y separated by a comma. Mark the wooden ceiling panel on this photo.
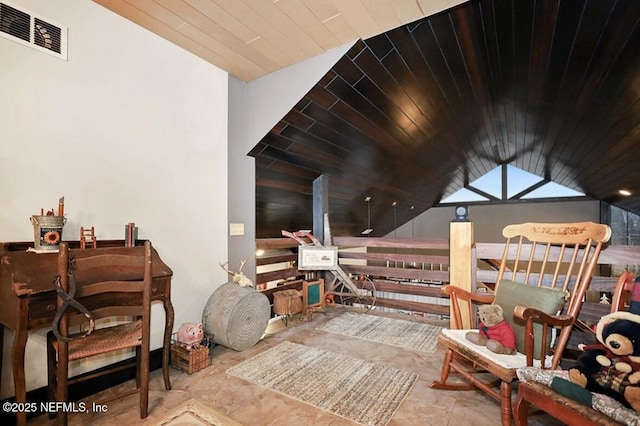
<point>230,23</point>
<point>384,19</point>
<point>150,7</point>
<point>449,98</point>
<point>322,9</point>
<point>359,17</point>
<point>299,13</point>
<point>295,33</point>
<point>291,29</point>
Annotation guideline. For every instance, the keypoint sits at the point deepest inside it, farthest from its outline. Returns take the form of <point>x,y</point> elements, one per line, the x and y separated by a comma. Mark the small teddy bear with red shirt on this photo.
<point>493,331</point>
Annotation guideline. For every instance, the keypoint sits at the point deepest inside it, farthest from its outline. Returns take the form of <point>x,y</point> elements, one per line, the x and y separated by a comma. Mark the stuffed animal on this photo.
<point>190,335</point>
<point>493,331</point>
<point>612,366</point>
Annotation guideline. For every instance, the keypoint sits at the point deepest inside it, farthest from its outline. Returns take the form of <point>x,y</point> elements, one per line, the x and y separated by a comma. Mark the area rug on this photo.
<point>196,413</point>
<point>352,388</point>
<point>390,331</point>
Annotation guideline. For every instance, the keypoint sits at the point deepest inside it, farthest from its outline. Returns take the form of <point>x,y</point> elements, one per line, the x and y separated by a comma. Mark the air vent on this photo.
<point>26,28</point>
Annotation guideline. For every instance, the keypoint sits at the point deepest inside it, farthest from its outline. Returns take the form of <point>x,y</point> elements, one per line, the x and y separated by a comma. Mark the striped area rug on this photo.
<point>390,331</point>
<point>352,388</point>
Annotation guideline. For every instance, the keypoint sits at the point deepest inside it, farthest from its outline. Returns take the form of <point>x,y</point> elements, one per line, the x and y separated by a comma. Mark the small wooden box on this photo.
<point>189,360</point>
<point>287,302</point>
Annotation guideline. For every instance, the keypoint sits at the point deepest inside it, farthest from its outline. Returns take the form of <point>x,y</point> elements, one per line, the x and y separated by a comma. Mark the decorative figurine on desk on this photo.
<point>238,277</point>
<point>190,335</point>
<point>47,228</point>
<point>87,234</point>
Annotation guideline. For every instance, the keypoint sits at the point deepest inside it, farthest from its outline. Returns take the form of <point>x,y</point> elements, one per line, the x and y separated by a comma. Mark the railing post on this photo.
<point>461,264</point>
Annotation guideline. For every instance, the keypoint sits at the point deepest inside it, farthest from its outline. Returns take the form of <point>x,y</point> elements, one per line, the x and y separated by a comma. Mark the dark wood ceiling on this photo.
<point>414,114</point>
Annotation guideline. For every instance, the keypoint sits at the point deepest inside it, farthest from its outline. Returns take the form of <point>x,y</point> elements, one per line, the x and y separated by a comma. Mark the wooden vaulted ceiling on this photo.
<point>411,115</point>
<point>417,112</point>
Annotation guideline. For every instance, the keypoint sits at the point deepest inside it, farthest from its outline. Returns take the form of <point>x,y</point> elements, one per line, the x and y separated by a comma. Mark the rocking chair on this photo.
<point>541,282</point>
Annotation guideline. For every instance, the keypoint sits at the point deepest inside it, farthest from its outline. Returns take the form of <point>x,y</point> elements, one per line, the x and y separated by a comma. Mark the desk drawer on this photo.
<point>42,308</point>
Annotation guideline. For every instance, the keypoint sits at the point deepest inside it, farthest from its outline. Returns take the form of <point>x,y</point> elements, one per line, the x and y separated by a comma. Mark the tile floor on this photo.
<point>251,404</point>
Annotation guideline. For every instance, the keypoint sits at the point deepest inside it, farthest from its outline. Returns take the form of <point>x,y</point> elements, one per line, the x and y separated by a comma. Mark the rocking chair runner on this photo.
<point>542,280</point>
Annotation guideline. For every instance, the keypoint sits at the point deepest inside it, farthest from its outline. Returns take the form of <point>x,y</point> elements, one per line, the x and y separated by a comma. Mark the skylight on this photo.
<point>464,195</point>
<point>517,181</point>
<point>551,190</point>
<point>491,183</point>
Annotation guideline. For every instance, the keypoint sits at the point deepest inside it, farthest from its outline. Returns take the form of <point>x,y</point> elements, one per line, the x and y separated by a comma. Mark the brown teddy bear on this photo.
<point>612,366</point>
<point>493,331</point>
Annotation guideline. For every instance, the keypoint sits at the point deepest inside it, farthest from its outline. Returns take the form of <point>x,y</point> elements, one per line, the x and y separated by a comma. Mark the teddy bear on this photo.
<point>493,331</point>
<point>190,335</point>
<point>612,366</point>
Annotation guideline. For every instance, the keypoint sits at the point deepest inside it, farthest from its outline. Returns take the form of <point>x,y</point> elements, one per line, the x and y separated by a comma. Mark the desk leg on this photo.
<point>168,328</point>
<point>17,359</point>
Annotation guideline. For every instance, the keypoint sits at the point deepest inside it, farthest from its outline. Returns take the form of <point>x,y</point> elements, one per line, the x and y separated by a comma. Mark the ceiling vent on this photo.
<point>31,30</point>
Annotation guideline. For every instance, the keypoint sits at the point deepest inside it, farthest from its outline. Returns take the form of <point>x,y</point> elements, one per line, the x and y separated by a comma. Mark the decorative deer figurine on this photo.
<point>238,277</point>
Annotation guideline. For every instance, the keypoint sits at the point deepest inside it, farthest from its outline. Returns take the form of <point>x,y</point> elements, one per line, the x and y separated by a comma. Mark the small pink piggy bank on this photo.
<point>190,335</point>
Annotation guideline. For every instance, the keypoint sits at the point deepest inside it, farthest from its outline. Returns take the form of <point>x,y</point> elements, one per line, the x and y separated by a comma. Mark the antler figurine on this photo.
<point>238,277</point>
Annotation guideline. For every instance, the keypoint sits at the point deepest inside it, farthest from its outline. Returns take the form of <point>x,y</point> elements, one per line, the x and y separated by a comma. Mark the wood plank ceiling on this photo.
<point>251,38</point>
<point>417,112</point>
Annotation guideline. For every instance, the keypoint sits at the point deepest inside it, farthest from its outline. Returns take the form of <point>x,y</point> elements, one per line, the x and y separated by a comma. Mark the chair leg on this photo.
<point>521,410</point>
<point>144,396</point>
<point>138,362</point>
<point>62,385</point>
<point>143,365</point>
<point>51,372</point>
<point>505,403</point>
<point>444,375</point>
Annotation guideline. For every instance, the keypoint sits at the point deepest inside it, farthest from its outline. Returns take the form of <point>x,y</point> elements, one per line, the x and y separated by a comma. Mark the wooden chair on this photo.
<point>541,282</point>
<point>84,279</point>
<point>622,293</point>
<point>561,407</point>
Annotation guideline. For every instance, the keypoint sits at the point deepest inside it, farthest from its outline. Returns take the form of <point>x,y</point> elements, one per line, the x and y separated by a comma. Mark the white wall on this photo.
<point>130,129</point>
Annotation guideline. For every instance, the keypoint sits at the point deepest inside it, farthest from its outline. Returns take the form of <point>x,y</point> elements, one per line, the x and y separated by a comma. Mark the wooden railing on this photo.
<point>408,273</point>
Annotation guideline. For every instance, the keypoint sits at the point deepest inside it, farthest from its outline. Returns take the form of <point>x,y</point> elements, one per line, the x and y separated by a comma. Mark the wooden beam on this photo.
<point>461,263</point>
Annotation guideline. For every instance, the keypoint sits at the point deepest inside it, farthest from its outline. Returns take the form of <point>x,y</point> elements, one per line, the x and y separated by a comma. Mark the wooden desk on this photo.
<point>28,299</point>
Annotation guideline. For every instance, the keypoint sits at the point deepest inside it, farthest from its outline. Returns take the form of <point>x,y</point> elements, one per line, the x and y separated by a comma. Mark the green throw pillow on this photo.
<point>510,294</point>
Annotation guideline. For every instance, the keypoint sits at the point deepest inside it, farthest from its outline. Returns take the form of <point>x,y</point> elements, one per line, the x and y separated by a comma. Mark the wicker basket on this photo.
<point>189,360</point>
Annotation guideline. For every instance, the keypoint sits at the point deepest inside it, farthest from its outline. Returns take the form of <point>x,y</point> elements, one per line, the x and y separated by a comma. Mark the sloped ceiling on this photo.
<point>251,38</point>
<point>417,112</point>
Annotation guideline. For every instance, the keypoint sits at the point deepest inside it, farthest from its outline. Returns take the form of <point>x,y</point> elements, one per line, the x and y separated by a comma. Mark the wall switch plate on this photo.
<point>236,229</point>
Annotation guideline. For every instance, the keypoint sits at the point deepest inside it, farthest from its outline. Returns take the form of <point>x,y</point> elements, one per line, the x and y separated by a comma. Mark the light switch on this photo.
<point>236,229</point>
